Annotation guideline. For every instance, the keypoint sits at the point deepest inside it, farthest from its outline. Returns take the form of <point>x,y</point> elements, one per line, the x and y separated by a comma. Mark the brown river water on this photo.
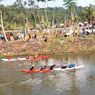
<point>79,82</point>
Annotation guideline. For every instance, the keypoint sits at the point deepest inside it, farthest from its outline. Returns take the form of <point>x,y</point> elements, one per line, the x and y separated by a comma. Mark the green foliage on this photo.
<point>71,6</point>
<point>86,13</point>
<point>14,15</point>
<point>1,56</point>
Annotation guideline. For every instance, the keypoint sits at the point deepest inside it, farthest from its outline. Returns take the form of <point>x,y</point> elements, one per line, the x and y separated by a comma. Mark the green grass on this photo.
<point>1,56</point>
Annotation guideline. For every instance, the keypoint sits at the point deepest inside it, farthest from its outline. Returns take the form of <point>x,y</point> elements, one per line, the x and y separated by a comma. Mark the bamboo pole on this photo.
<point>2,26</point>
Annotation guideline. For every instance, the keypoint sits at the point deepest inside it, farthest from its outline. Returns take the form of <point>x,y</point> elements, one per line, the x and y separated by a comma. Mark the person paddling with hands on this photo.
<point>72,65</point>
<point>43,68</point>
<point>64,67</point>
<point>51,67</point>
<point>32,67</point>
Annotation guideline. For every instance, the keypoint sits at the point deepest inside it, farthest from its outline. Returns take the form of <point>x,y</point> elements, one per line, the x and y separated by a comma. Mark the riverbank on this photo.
<point>54,45</point>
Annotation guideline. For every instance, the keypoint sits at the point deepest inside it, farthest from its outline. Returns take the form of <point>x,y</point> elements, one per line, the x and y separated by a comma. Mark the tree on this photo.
<point>33,14</point>
<point>86,13</point>
<point>45,9</point>
<point>2,26</point>
<point>30,2</point>
<point>89,13</point>
<point>70,5</point>
<point>19,2</point>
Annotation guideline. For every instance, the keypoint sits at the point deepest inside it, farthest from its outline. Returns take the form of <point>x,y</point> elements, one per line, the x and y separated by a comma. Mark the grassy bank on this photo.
<point>54,45</point>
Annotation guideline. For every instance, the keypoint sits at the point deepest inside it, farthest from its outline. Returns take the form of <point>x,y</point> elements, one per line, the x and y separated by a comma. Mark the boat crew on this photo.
<point>51,67</point>
<point>32,67</point>
<point>71,65</point>
<point>43,68</point>
<point>64,67</point>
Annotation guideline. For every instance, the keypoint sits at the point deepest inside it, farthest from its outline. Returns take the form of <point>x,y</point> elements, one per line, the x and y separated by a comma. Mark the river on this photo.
<point>79,82</point>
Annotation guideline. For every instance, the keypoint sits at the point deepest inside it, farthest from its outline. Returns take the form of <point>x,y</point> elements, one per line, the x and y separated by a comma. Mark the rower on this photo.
<point>43,68</point>
<point>71,65</point>
<point>64,67</point>
<point>32,67</point>
<point>51,67</point>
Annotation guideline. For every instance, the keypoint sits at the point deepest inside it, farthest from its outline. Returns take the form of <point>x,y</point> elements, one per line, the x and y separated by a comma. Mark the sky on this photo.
<point>57,3</point>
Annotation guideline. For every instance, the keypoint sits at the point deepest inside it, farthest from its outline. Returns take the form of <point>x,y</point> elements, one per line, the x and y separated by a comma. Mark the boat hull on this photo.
<point>23,58</point>
<point>54,69</point>
<point>36,71</point>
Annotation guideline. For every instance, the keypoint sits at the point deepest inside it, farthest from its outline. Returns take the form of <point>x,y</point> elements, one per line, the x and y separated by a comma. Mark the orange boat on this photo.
<point>54,69</point>
<point>42,57</point>
<point>36,71</point>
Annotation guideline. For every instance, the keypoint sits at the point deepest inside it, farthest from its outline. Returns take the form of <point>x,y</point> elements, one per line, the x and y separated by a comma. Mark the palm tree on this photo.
<point>20,7</point>
<point>89,13</point>
<point>86,13</point>
<point>70,5</point>
<point>30,2</point>
<point>45,9</point>
<point>33,6</point>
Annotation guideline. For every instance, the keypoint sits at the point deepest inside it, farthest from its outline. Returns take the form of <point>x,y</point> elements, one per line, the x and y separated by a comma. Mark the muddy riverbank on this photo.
<point>54,45</point>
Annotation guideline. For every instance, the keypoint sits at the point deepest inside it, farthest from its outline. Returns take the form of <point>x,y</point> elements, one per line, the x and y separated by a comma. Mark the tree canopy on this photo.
<point>15,15</point>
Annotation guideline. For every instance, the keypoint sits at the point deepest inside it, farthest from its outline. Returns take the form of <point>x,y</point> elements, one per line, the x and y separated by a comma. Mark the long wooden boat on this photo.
<point>25,58</point>
<point>54,69</point>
